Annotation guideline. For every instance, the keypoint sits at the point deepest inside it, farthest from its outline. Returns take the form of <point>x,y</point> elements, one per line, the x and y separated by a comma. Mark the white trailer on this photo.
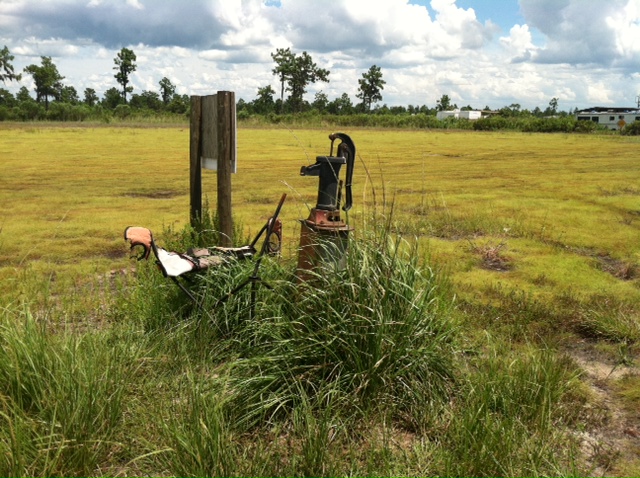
<point>611,118</point>
<point>471,114</point>
<point>467,114</point>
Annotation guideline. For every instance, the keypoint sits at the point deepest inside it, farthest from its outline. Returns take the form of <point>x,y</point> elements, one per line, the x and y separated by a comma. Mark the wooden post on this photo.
<point>226,154</point>
<point>195,168</point>
<point>212,145</point>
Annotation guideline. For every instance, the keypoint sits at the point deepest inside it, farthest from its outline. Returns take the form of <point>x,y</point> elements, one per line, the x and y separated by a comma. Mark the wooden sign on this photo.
<point>212,145</point>
<point>218,125</point>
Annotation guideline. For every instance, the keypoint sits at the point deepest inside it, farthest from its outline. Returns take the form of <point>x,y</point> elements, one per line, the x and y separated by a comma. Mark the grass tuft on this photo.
<point>62,397</point>
<point>377,334</point>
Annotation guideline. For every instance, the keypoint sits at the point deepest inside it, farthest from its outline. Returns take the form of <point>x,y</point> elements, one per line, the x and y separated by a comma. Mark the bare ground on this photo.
<point>612,444</point>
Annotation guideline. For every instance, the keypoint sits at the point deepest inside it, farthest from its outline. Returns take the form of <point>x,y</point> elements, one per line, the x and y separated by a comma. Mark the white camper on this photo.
<point>467,114</point>
<point>611,118</point>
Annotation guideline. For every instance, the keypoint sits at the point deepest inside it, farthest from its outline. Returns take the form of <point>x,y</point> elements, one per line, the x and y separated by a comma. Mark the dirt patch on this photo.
<point>623,191</point>
<point>492,256</point>
<point>158,194</point>
<point>612,442</point>
<point>620,269</point>
<point>114,254</point>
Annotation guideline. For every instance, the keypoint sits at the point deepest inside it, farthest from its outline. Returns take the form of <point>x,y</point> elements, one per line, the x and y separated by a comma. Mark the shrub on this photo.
<point>122,111</point>
<point>585,126</point>
<point>67,112</point>
<point>631,129</point>
<point>377,334</point>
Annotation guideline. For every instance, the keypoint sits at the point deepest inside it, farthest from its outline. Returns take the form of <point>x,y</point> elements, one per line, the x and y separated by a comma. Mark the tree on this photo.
<point>320,102</point>
<point>48,80</point>
<point>146,100</point>
<point>297,71</point>
<point>305,71</point>
<point>23,96</point>
<point>341,106</point>
<point>179,104</point>
<point>553,107</point>
<point>264,103</point>
<point>125,65</point>
<point>512,110</point>
<point>167,90</point>
<point>90,97</point>
<point>6,98</point>
<point>68,94</point>
<point>284,59</point>
<point>444,104</point>
<point>371,84</point>
<point>112,98</point>
<point>5,66</point>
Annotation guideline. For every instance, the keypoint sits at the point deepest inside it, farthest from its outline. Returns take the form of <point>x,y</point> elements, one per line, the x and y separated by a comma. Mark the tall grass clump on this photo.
<point>511,415</point>
<point>610,320</point>
<point>199,438</point>
<point>375,335</point>
<point>61,399</point>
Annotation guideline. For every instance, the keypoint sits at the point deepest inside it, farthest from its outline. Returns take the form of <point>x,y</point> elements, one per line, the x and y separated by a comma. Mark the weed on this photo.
<point>611,320</point>
<point>491,255</point>
<point>506,421</point>
<point>376,334</point>
<point>62,397</point>
<point>200,440</point>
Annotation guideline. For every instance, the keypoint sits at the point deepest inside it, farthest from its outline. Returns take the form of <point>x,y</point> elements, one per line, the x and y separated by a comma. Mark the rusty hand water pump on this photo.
<point>324,234</point>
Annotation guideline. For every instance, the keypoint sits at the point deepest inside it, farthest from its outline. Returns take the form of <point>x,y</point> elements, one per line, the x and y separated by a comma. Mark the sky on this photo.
<point>478,52</point>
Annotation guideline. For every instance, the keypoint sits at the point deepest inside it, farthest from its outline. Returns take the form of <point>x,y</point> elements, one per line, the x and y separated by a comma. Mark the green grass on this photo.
<point>62,399</point>
<point>438,350</point>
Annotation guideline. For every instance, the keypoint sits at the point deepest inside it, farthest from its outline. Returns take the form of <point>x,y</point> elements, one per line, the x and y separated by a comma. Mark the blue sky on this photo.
<point>479,52</point>
<point>504,13</point>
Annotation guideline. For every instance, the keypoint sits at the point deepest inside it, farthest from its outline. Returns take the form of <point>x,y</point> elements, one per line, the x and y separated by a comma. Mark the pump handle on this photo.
<point>346,150</point>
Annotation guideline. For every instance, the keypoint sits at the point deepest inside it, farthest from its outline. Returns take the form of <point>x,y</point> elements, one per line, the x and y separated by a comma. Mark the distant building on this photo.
<point>466,114</point>
<point>612,118</point>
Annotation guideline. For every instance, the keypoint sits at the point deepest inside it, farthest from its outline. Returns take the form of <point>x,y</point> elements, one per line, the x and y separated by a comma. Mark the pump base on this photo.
<point>323,243</point>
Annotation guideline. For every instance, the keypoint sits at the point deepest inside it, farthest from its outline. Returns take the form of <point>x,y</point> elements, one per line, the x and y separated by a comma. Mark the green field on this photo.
<point>563,209</point>
<point>533,239</point>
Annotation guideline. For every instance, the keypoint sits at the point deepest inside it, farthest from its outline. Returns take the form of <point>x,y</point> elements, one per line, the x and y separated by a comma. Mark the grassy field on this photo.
<point>521,252</point>
<point>561,213</point>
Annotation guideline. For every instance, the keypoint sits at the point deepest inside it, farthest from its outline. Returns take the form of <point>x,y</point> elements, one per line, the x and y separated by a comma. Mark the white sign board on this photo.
<point>210,143</point>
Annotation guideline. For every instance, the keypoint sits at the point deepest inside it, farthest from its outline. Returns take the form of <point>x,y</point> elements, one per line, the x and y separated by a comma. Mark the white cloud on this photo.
<point>213,55</point>
<point>519,44</point>
<point>586,32</point>
<point>598,93</point>
<point>625,25</point>
<point>135,4</point>
<point>34,47</point>
<point>424,51</point>
<point>461,26</point>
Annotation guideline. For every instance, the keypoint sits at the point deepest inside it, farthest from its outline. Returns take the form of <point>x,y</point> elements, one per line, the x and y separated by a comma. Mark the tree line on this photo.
<point>56,101</point>
<point>295,72</point>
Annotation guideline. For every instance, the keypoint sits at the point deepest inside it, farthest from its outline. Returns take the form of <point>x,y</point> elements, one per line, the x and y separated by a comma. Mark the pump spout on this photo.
<point>328,169</point>
<point>313,170</point>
